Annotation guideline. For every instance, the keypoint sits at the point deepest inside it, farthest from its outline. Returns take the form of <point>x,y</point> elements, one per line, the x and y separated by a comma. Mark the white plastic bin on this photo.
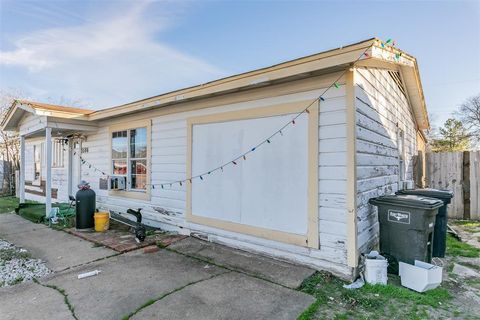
<point>421,276</point>
<point>376,268</point>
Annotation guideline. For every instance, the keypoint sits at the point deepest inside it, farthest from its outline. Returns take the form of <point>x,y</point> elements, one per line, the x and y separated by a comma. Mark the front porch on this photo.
<point>55,133</point>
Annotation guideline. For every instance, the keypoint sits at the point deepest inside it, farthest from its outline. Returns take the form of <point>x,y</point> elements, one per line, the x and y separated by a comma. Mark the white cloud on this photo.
<point>22,57</point>
<point>110,61</point>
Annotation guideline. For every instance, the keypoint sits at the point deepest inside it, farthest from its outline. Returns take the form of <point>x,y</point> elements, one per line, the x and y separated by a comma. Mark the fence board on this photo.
<point>475,185</point>
<point>445,171</point>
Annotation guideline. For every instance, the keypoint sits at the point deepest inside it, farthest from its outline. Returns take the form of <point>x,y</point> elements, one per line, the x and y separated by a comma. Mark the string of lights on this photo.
<point>83,161</point>
<point>243,156</point>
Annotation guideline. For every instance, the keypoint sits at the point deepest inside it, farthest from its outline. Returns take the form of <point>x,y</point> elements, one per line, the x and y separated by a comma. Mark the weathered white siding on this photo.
<point>168,158</point>
<point>381,108</point>
<point>333,173</point>
<point>31,123</point>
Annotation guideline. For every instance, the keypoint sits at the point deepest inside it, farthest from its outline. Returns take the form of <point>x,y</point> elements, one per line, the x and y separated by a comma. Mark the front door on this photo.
<point>37,164</point>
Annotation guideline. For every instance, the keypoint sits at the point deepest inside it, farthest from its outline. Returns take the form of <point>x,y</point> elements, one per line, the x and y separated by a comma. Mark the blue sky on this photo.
<point>104,53</point>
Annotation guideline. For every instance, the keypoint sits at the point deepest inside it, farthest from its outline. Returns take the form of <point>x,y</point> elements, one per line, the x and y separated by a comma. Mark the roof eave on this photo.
<point>18,108</point>
<point>340,56</point>
<point>395,59</point>
<point>6,121</point>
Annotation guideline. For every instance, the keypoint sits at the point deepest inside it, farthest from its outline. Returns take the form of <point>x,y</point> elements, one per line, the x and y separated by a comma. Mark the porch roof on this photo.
<point>20,107</point>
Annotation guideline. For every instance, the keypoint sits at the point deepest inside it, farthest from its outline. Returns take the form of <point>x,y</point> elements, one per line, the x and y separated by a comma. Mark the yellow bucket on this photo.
<point>102,221</point>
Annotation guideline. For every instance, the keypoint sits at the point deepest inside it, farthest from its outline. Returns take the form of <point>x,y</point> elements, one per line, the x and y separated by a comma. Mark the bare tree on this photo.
<point>470,114</point>
<point>9,141</point>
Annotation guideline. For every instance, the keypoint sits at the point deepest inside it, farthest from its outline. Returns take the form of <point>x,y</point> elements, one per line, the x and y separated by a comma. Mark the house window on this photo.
<point>57,154</point>
<point>129,157</point>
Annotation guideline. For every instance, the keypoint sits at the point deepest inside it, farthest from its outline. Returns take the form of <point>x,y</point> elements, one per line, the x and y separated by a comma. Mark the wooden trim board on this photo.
<point>352,246</point>
<point>311,238</point>
<point>138,195</point>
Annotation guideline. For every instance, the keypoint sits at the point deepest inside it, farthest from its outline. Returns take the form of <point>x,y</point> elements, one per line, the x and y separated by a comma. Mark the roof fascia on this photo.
<point>247,80</point>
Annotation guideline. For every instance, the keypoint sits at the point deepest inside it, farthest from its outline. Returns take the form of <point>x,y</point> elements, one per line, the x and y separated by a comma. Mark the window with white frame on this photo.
<point>57,154</point>
<point>129,157</point>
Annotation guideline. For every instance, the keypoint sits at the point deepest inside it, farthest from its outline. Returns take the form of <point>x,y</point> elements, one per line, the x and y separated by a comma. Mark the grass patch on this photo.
<point>13,253</point>
<point>16,281</point>
<point>460,249</point>
<point>35,211</point>
<point>8,204</point>
<point>370,301</point>
<point>469,225</point>
<point>431,297</point>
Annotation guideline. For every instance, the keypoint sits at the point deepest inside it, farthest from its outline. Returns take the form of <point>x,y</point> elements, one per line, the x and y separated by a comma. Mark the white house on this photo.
<point>301,196</point>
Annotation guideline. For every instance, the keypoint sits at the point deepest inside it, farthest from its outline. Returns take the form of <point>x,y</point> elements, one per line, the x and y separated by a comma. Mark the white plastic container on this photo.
<point>376,268</point>
<point>420,277</point>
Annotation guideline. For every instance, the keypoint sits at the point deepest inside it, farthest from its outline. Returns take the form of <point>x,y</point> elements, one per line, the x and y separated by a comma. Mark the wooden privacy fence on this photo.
<point>459,172</point>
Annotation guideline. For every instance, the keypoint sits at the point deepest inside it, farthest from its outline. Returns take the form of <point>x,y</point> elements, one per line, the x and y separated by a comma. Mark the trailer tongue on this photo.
<point>138,228</point>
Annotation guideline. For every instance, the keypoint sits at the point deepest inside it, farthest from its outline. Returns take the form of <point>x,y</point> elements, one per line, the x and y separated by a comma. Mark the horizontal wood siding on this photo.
<point>168,158</point>
<point>381,108</point>
<point>166,207</point>
<point>333,172</point>
<point>31,123</point>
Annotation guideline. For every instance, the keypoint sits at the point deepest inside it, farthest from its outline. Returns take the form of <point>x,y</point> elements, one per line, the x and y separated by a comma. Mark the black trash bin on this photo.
<point>406,227</point>
<point>440,232</point>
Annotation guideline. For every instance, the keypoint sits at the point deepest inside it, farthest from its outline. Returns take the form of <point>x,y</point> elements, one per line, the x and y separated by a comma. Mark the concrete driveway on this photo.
<point>191,280</point>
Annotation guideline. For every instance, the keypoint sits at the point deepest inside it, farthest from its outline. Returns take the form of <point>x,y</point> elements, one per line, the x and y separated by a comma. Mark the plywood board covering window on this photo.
<point>273,193</point>
<point>130,157</point>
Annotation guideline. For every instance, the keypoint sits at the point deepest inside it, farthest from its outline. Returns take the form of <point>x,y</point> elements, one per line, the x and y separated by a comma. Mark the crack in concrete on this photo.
<point>152,301</point>
<point>89,262</point>
<point>63,293</point>
<point>253,275</point>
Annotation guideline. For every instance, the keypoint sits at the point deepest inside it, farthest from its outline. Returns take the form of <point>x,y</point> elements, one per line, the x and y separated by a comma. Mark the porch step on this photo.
<point>33,188</point>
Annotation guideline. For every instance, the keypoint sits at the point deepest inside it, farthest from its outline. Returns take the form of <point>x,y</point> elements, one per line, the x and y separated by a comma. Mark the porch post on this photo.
<point>48,168</point>
<point>70,165</point>
<point>21,185</point>
<point>79,167</point>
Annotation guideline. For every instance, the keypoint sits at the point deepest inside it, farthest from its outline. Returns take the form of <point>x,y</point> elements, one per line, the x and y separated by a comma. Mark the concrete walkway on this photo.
<point>168,284</point>
<point>284,273</point>
<point>58,249</point>
<point>33,301</point>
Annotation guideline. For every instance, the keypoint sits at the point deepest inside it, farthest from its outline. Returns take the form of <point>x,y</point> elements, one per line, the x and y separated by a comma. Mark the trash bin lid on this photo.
<point>429,192</point>
<point>412,201</point>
